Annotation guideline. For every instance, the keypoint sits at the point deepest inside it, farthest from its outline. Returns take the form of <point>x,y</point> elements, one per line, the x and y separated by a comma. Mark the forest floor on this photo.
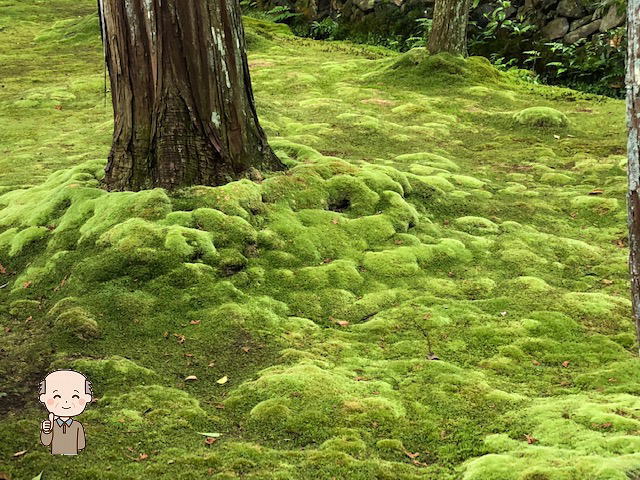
<point>435,289</point>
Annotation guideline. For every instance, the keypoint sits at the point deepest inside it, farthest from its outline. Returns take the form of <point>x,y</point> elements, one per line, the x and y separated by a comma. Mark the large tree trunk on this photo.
<point>182,98</point>
<point>449,28</point>
<point>633,167</point>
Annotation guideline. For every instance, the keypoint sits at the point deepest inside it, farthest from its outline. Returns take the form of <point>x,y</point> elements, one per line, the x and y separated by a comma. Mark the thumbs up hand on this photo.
<point>47,425</point>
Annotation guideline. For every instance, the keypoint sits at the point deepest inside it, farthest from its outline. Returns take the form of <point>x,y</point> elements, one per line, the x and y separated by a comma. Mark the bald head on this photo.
<point>65,393</point>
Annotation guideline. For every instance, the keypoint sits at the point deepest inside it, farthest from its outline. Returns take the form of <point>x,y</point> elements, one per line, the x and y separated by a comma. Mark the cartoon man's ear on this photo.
<point>43,398</point>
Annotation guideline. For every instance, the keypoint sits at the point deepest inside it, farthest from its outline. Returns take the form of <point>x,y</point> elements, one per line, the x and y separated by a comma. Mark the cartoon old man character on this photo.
<point>65,394</point>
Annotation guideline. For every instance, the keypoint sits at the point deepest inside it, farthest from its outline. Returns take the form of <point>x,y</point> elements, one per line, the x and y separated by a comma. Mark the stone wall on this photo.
<point>559,20</point>
<point>570,20</point>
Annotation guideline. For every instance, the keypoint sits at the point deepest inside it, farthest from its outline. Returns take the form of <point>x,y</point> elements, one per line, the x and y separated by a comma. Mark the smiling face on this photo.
<point>65,393</point>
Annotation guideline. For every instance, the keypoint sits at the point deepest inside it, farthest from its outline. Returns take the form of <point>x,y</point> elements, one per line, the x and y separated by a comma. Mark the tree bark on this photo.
<point>633,147</point>
<point>184,112</point>
<point>449,28</point>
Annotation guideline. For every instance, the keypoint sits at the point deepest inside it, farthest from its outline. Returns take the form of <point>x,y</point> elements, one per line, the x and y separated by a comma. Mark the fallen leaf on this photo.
<point>535,362</point>
<point>2,269</point>
<point>607,282</point>
<point>411,455</point>
<point>219,405</point>
<point>334,221</point>
<point>222,380</point>
<point>181,338</point>
<point>504,314</point>
<point>27,284</point>
<point>530,439</point>
<point>20,453</point>
<point>194,322</point>
<point>29,318</point>
<point>210,440</point>
<point>207,434</point>
<point>188,355</point>
<point>143,456</point>
<point>360,379</point>
<point>58,107</point>
<point>565,364</point>
<point>190,378</point>
<point>211,364</point>
<point>5,476</point>
<point>596,192</point>
<point>246,349</point>
<point>433,356</point>
<point>557,137</point>
<point>342,323</point>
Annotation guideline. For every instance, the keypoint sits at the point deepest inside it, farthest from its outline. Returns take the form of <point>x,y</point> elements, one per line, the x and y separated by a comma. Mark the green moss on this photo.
<point>77,322</point>
<point>413,219</point>
<point>24,238</point>
<point>541,117</point>
<point>429,159</point>
<point>476,225</point>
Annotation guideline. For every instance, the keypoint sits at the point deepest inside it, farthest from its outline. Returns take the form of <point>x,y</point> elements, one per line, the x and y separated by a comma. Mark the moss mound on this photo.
<point>541,117</point>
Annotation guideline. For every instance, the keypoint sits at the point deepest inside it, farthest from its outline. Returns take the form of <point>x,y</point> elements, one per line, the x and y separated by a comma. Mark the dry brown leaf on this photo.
<point>20,453</point>
<point>2,269</point>
<point>27,284</point>
<point>194,322</point>
<point>565,364</point>
<point>536,363</point>
<point>342,323</point>
<point>530,439</point>
<point>190,378</point>
<point>210,440</point>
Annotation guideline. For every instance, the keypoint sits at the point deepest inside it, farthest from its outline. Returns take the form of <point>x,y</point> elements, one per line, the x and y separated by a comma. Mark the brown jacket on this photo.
<point>64,439</point>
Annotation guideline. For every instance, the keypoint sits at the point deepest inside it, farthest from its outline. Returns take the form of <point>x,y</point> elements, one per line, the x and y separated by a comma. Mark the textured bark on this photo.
<point>183,105</point>
<point>449,28</point>
<point>633,168</point>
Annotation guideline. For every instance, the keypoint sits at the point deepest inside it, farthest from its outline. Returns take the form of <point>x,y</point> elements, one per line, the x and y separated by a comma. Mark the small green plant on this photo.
<point>281,13</point>
<point>324,29</point>
<point>424,29</point>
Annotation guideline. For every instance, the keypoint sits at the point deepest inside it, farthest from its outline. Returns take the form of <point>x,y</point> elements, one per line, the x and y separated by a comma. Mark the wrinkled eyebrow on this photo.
<point>76,391</point>
<point>54,391</point>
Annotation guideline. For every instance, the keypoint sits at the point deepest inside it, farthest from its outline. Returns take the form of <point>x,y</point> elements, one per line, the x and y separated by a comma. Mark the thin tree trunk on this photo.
<point>449,28</point>
<point>633,169</point>
<point>183,105</point>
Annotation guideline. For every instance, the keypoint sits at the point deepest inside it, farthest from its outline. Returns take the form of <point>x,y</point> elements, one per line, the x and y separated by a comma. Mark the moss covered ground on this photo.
<point>435,289</point>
